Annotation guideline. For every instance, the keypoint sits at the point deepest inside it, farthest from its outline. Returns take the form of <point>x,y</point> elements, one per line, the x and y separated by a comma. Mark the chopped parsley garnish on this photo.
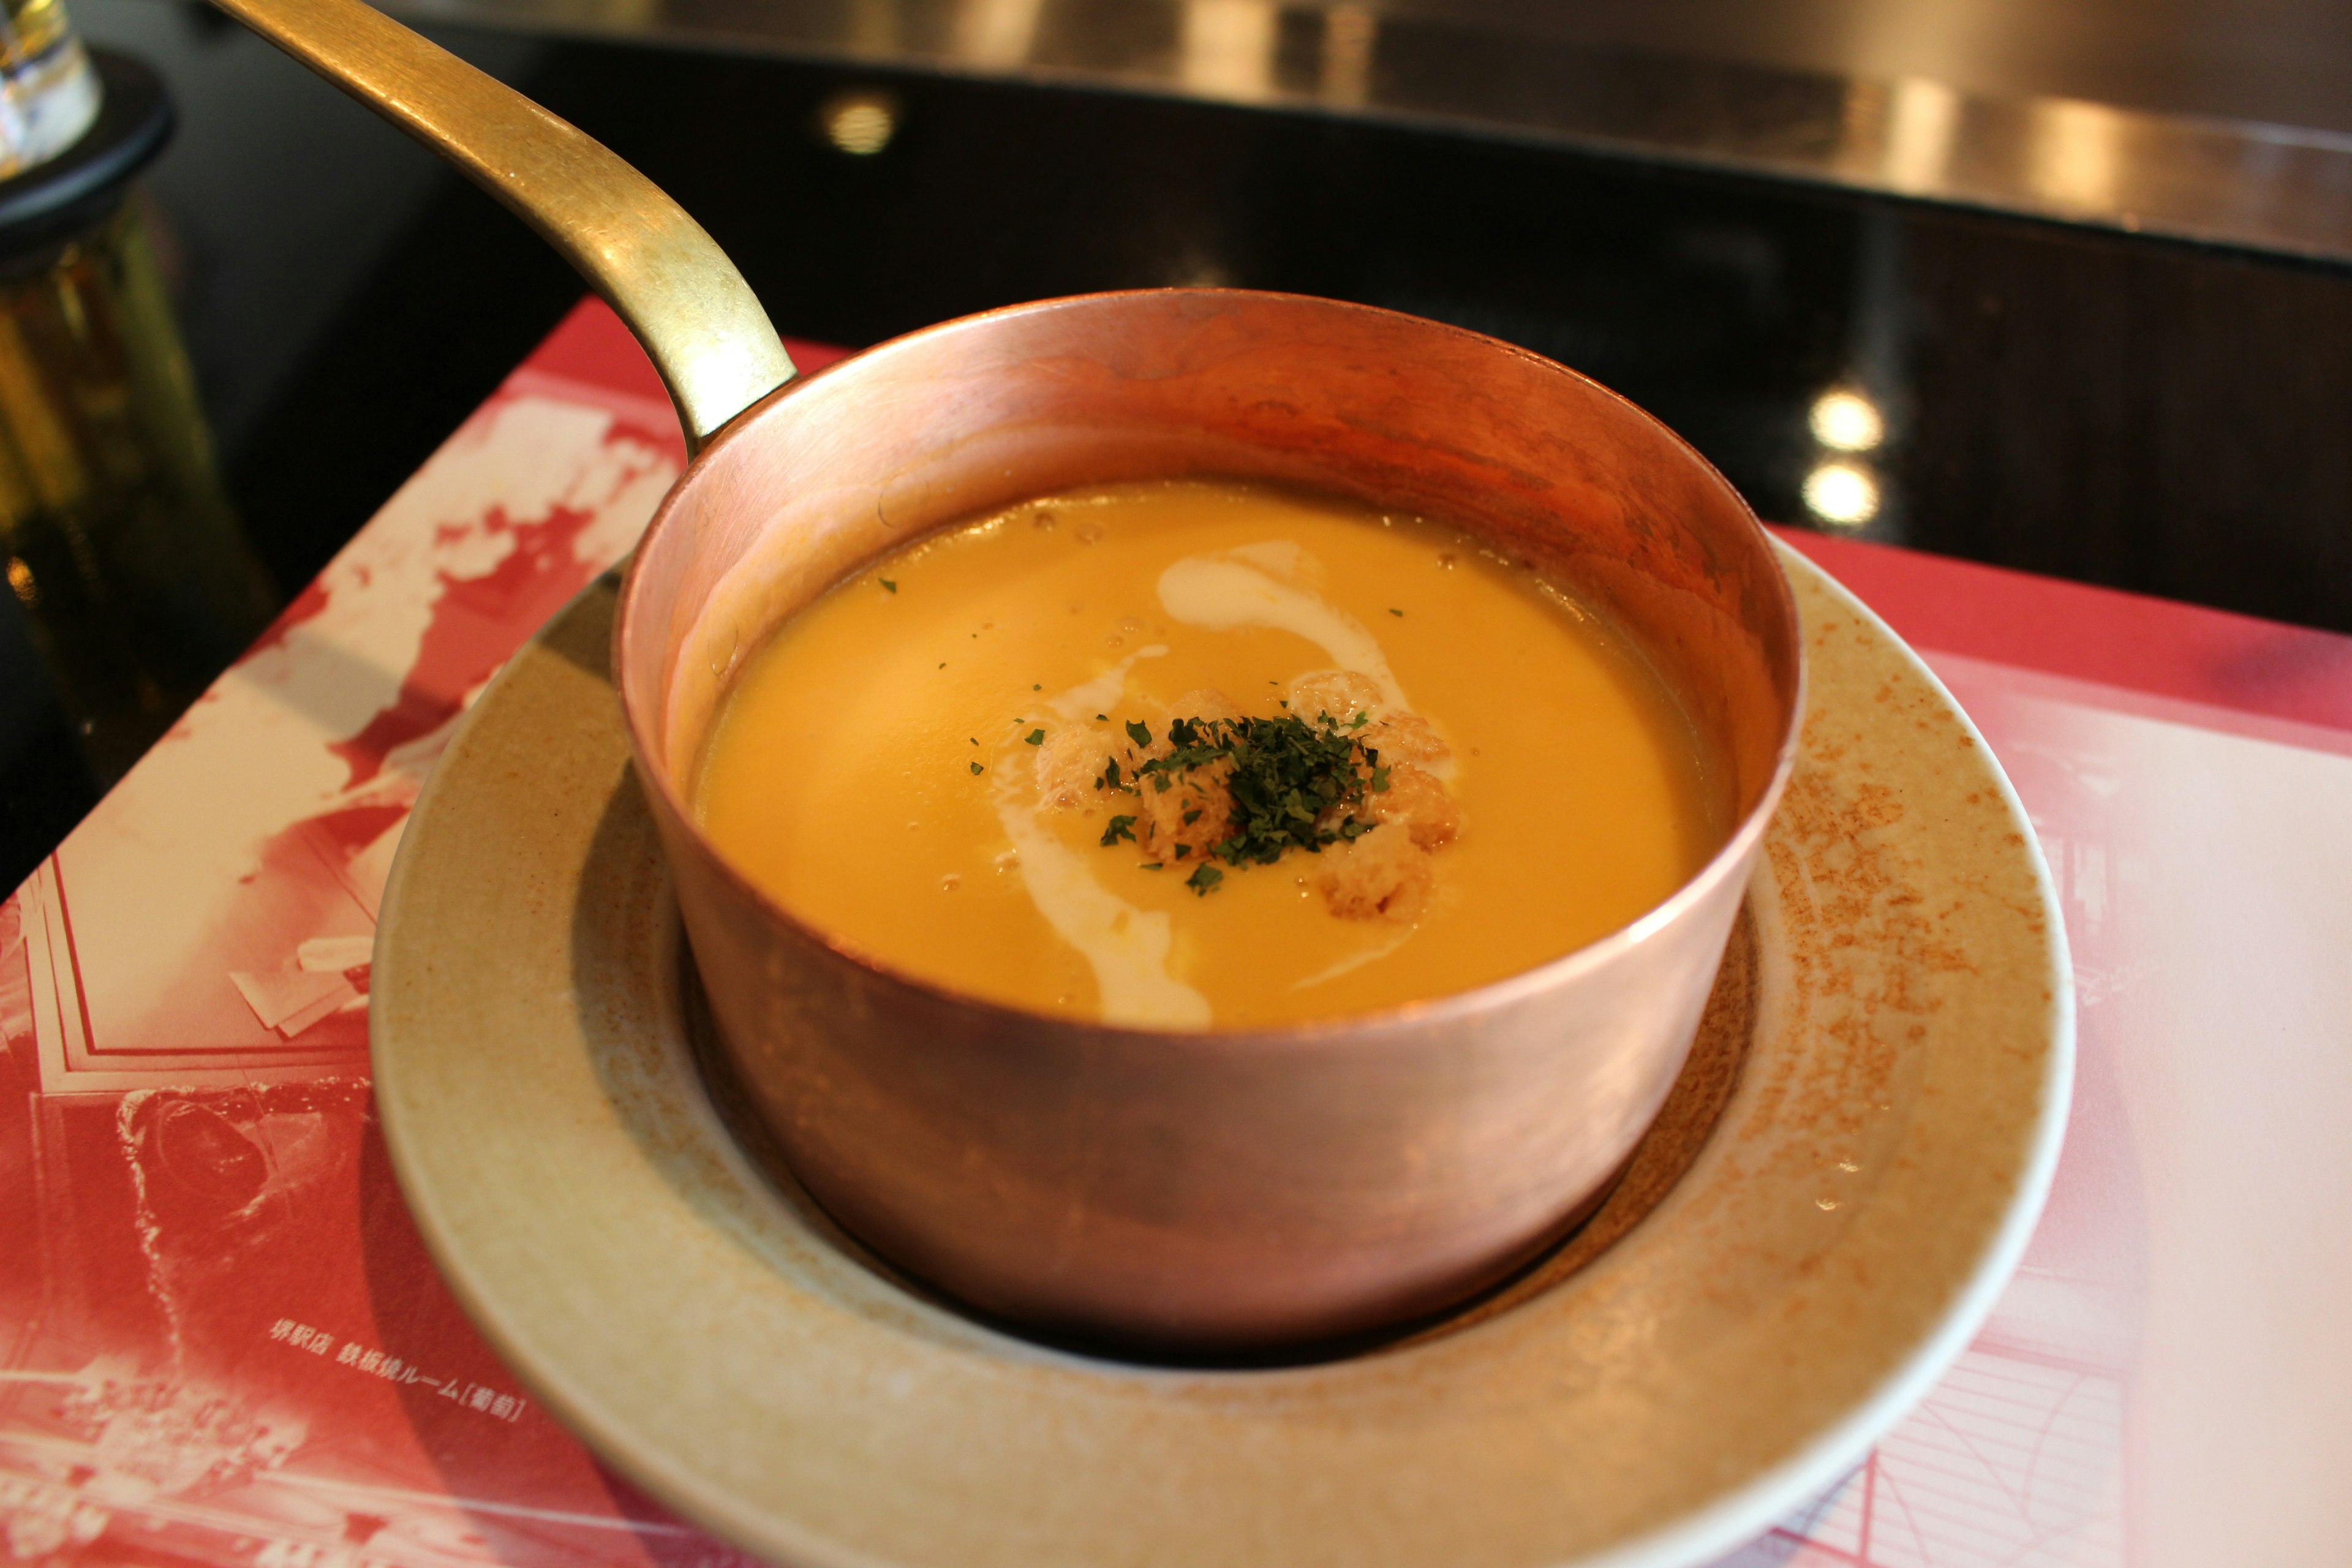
<point>1037,737</point>
<point>978,769</point>
<point>1397,612</point>
<point>887,586</point>
<point>1292,785</point>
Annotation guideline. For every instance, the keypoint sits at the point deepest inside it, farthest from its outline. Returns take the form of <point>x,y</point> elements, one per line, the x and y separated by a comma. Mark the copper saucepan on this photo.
<point>1211,1189</point>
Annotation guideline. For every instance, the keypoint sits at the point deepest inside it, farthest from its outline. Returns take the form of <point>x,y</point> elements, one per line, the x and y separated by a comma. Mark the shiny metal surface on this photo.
<point>1520,72</point>
<point>701,325</point>
<point>1207,1189</point>
<point>2280,61</point>
<point>1217,1188</point>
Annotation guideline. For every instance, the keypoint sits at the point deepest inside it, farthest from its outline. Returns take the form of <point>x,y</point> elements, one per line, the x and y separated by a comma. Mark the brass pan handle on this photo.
<point>689,307</point>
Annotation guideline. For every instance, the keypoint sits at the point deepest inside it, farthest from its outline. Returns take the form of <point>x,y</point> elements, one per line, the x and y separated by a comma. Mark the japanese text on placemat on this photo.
<point>391,1369</point>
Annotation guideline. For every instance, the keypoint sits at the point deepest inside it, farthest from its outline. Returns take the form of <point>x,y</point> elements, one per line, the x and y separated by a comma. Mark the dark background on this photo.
<point>2133,412</point>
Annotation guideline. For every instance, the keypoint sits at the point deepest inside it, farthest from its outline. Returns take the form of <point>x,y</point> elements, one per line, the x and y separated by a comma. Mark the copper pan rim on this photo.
<point>1353,1030</point>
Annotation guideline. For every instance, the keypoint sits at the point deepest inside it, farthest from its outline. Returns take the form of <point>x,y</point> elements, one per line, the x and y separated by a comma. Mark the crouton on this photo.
<point>1161,829</point>
<point>1401,737</point>
<point>1341,693</point>
<point>1381,876</point>
<point>1071,760</point>
<point>1417,802</point>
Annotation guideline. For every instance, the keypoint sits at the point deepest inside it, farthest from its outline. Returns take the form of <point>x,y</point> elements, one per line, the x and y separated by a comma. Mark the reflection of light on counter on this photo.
<point>1349,31</point>
<point>1841,493</point>
<point>1921,116</point>
<point>860,124</point>
<point>2072,153</point>
<point>1847,422</point>
<point>1198,269</point>
<point>1226,48</point>
<point>996,32</point>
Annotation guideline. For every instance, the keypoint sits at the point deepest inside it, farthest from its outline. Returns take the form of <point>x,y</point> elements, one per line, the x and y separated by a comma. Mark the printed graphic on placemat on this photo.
<point>220,1339</point>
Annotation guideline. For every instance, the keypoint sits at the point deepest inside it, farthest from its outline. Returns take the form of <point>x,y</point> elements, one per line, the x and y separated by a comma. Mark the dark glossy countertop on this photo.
<point>2060,397</point>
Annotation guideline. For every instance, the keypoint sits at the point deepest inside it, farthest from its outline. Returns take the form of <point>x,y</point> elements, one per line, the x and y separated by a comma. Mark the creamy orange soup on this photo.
<point>961,761</point>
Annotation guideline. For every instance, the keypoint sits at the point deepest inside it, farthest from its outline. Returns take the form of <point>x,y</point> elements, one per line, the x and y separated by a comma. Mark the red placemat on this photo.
<point>221,1341</point>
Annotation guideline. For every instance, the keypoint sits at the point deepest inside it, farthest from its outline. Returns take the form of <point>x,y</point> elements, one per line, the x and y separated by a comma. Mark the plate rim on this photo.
<point>1766,1497</point>
<point>1735,1516</point>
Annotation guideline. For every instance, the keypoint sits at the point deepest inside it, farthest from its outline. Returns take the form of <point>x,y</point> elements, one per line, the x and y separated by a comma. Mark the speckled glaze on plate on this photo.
<point>1785,1270</point>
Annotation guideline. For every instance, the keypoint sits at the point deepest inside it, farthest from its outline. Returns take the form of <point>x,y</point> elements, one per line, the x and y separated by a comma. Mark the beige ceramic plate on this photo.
<point>1826,1252</point>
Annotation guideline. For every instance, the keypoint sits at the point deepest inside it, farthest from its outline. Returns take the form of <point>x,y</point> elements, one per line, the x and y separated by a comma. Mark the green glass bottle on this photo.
<point>135,579</point>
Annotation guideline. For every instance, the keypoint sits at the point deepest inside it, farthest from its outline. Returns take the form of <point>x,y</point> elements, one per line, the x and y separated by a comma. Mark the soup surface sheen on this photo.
<point>916,762</point>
